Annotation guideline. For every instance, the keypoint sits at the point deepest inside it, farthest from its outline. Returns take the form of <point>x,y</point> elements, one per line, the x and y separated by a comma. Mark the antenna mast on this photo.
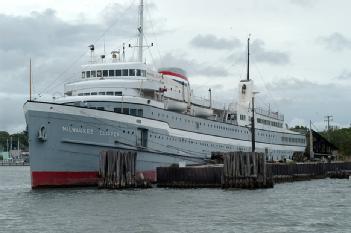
<point>141,31</point>
<point>248,58</point>
<point>30,79</point>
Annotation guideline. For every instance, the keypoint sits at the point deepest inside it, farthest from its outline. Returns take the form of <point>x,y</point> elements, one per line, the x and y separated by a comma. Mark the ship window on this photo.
<point>105,73</point>
<point>131,72</point>
<point>140,113</point>
<point>125,72</point>
<point>133,112</point>
<point>143,73</point>
<point>117,110</point>
<point>126,111</point>
<point>118,93</point>
<point>109,93</point>
<point>111,73</point>
<point>102,93</point>
<point>138,72</point>
<point>80,94</point>
<point>83,74</point>
<point>88,74</point>
<point>98,73</point>
<point>100,108</point>
<point>93,93</point>
<point>93,73</point>
<point>86,93</point>
<point>118,73</point>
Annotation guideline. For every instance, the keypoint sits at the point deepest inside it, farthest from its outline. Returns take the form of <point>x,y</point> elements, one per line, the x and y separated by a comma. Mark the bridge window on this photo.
<point>104,73</point>
<point>98,73</point>
<point>102,93</point>
<point>131,72</point>
<point>126,111</point>
<point>111,73</point>
<point>117,110</point>
<point>125,72</point>
<point>140,113</point>
<point>138,72</point>
<point>94,93</point>
<point>118,93</point>
<point>143,73</point>
<point>88,74</point>
<point>118,73</point>
<point>93,73</point>
<point>109,93</point>
<point>80,94</point>
<point>133,112</point>
<point>83,74</point>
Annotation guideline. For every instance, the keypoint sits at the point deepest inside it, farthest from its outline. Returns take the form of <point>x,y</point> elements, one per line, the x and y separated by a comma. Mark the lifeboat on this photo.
<point>176,106</point>
<point>201,112</point>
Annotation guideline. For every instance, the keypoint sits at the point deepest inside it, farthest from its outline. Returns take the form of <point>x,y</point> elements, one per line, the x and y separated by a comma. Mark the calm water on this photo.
<point>312,206</point>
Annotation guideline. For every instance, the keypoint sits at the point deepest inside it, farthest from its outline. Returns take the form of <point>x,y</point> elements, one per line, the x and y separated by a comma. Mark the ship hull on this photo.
<point>65,143</point>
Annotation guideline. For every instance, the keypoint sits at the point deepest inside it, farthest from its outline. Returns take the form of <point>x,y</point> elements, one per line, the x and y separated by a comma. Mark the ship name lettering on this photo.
<point>77,130</point>
<point>109,133</point>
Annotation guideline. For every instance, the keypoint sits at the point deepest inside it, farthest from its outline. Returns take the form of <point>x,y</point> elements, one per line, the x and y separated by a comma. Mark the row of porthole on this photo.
<point>208,125</point>
<point>220,127</point>
<point>194,142</point>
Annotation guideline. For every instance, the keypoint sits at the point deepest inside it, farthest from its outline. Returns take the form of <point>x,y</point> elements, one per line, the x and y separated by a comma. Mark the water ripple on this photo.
<point>312,206</point>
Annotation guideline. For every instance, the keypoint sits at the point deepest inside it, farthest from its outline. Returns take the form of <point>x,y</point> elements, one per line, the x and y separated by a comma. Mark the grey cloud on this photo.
<point>192,66</point>
<point>302,98</point>
<point>345,75</point>
<point>57,49</point>
<point>304,3</point>
<point>210,41</point>
<point>335,41</point>
<point>259,53</point>
<point>41,32</point>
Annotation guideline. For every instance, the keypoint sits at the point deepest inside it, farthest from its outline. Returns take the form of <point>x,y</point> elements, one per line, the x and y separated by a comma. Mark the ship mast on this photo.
<point>248,58</point>
<point>141,29</point>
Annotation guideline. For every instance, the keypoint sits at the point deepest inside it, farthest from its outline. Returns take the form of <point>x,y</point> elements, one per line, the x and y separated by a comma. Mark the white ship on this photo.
<point>128,105</point>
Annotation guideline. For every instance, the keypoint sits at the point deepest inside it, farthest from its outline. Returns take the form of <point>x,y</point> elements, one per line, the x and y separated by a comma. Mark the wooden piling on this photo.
<point>117,170</point>
<point>245,170</point>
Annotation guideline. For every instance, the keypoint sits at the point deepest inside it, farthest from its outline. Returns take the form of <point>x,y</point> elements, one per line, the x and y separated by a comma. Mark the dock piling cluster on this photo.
<point>117,169</point>
<point>246,170</point>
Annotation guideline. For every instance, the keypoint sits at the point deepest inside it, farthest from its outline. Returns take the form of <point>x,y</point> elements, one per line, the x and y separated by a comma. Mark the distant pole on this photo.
<point>141,31</point>
<point>210,92</point>
<point>311,142</point>
<point>328,119</point>
<point>253,124</point>
<point>30,79</point>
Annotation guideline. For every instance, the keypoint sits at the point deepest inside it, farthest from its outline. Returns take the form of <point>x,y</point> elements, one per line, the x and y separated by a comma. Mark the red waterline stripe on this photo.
<point>57,179</point>
<point>165,72</point>
<point>45,179</point>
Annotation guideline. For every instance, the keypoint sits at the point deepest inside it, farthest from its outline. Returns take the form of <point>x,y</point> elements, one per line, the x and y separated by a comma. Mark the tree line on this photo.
<point>5,140</point>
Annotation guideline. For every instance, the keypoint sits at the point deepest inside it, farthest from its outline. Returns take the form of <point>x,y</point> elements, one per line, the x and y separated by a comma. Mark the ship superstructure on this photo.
<point>128,105</point>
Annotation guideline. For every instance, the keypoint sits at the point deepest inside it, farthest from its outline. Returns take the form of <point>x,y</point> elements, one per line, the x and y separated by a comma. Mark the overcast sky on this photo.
<point>301,49</point>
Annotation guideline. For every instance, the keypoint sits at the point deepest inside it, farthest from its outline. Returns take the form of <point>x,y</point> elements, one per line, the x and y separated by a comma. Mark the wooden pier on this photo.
<point>288,172</point>
<point>239,170</point>
<point>247,170</point>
